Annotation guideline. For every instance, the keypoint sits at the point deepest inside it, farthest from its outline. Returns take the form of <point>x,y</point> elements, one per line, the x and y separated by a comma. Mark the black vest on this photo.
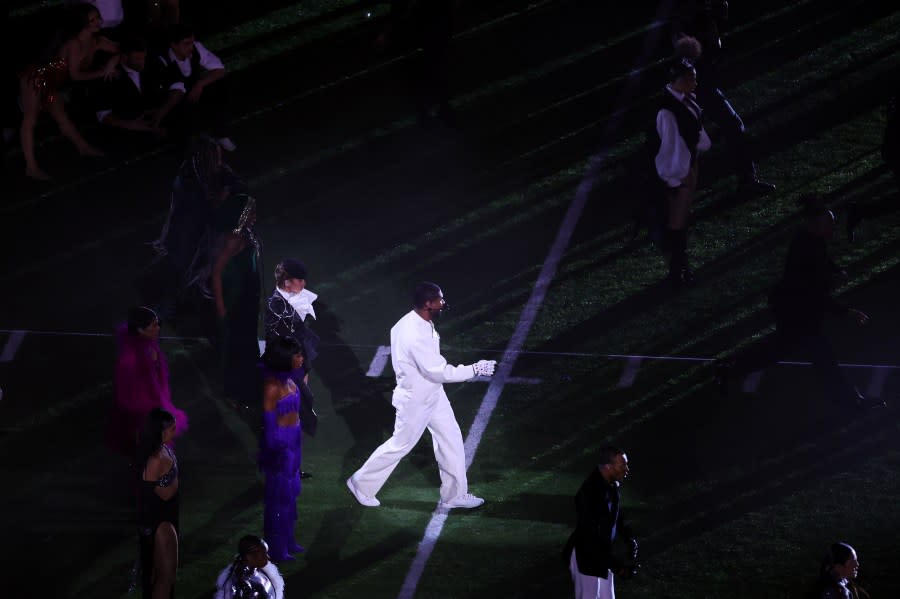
<point>174,74</point>
<point>127,101</point>
<point>688,125</point>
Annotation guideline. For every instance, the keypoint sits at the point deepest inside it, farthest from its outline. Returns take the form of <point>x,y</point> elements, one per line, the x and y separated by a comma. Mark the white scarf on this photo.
<point>301,302</point>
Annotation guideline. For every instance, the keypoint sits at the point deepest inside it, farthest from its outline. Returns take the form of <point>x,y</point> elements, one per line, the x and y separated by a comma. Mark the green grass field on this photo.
<point>730,497</point>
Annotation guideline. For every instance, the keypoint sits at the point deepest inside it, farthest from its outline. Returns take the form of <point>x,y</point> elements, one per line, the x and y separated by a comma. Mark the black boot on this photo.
<point>752,185</point>
<point>679,273</point>
<point>854,217</point>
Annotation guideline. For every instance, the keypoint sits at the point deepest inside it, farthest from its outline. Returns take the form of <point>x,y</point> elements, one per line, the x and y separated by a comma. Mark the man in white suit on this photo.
<point>420,403</point>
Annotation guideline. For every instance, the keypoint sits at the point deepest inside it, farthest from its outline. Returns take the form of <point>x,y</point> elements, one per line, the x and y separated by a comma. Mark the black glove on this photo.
<point>631,566</point>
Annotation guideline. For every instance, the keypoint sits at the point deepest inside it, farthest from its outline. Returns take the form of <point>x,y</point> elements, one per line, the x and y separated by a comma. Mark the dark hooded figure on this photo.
<point>800,301</point>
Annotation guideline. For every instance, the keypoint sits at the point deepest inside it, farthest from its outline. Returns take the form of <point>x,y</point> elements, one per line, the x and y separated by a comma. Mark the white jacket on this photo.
<point>416,357</point>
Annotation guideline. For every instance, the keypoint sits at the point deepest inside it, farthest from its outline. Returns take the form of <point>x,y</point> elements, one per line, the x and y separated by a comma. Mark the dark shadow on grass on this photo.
<point>329,566</point>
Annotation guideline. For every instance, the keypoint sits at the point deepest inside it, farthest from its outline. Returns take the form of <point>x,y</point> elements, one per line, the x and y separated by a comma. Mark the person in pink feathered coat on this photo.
<point>141,381</point>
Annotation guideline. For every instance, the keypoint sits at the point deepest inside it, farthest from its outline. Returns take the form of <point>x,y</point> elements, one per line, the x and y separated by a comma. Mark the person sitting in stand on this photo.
<point>133,100</point>
<point>91,57</point>
<point>195,78</point>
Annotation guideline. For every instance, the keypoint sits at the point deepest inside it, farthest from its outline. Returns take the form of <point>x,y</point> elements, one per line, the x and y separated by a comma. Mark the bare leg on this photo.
<point>31,105</point>
<point>67,127</point>
<point>165,560</point>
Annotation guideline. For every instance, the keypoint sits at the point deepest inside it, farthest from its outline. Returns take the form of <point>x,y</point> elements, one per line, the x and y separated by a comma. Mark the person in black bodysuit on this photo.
<point>158,499</point>
<point>800,301</point>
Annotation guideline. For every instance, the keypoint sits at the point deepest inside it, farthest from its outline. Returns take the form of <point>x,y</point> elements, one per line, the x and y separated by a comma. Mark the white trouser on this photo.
<point>412,418</point>
<point>591,587</point>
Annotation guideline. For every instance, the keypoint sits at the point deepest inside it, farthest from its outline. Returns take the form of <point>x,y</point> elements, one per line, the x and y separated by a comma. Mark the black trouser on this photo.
<point>813,341</point>
<point>209,115</point>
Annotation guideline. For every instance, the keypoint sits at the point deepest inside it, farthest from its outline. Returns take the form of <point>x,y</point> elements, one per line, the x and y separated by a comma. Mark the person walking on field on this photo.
<point>420,403</point>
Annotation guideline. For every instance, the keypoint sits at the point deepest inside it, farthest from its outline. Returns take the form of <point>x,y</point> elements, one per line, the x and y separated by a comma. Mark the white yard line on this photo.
<point>12,345</point>
<point>630,372</point>
<point>382,354</point>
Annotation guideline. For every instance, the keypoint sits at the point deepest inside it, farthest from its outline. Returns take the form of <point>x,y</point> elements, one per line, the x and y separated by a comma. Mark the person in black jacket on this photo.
<point>286,310</point>
<point>134,100</point>
<point>198,87</point>
<point>800,301</point>
<point>589,550</point>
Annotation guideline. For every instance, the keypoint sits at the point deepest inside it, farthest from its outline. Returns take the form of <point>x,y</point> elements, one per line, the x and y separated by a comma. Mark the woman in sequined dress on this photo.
<point>280,455</point>
<point>158,501</point>
<point>40,85</point>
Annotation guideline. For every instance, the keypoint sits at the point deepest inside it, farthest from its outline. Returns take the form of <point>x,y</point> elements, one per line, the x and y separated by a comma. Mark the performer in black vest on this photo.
<point>679,138</point>
<point>589,550</point>
<point>286,310</point>
<point>697,36</point>
<point>133,100</point>
<point>197,86</point>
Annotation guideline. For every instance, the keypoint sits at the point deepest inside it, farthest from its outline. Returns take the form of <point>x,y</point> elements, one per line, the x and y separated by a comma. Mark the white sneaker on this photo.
<point>360,497</point>
<point>227,144</point>
<point>467,501</point>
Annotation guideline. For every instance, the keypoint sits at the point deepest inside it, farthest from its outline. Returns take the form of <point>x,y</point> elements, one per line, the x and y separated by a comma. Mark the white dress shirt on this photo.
<point>208,60</point>
<point>673,161</point>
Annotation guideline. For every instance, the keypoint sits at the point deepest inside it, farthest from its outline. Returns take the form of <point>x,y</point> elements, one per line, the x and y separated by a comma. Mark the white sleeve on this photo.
<point>102,114</point>
<point>220,583</point>
<point>673,161</point>
<point>208,60</point>
<point>704,143</point>
<point>271,570</point>
<point>434,367</point>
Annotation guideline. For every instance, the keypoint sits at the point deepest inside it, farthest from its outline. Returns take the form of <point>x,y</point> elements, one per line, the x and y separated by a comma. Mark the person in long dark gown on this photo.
<point>237,287</point>
<point>184,248</point>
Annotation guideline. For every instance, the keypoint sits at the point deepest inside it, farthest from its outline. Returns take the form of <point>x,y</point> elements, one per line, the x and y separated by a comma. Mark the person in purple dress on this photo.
<point>280,446</point>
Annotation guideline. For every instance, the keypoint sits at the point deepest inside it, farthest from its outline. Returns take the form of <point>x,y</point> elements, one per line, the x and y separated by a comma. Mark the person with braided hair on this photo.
<point>250,572</point>
<point>183,262</point>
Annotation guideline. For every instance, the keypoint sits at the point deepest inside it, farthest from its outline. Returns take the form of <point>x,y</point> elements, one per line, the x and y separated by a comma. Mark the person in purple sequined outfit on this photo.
<point>280,446</point>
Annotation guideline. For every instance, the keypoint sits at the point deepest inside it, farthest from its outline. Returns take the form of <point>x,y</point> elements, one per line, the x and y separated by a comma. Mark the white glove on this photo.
<point>484,367</point>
